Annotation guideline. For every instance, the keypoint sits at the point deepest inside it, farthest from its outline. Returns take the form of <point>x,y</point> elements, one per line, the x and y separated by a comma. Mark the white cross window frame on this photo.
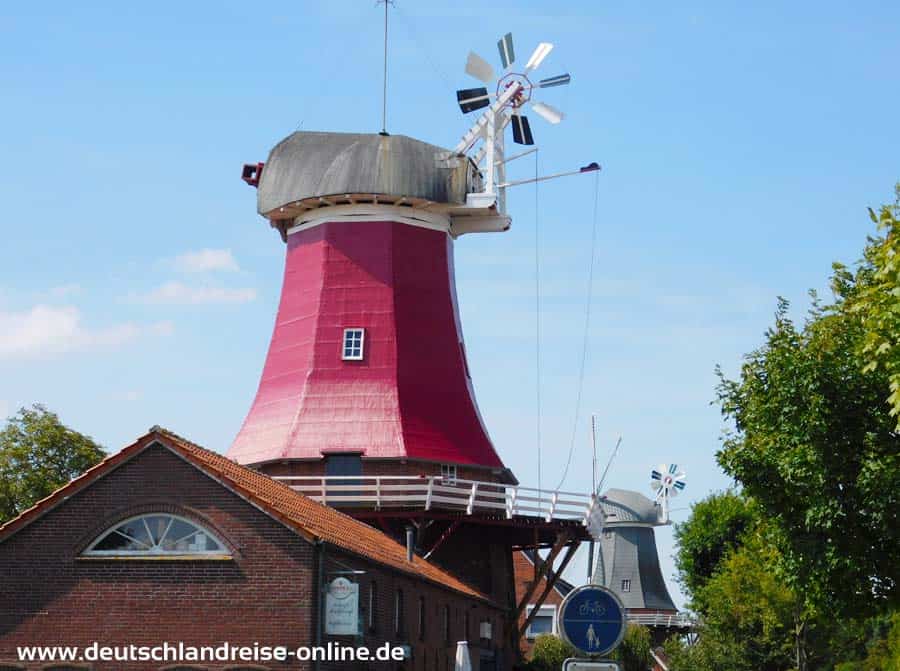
<point>353,344</point>
<point>448,474</point>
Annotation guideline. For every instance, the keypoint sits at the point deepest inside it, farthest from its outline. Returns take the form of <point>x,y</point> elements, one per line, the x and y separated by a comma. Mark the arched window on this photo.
<point>154,535</point>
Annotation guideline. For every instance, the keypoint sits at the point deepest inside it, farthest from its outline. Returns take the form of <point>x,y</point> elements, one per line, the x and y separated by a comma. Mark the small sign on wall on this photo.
<point>342,608</point>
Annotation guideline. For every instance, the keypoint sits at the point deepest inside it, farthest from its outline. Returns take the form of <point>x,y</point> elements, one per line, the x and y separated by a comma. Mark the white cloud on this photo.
<point>45,330</point>
<point>176,293</point>
<point>4,410</point>
<point>206,260</point>
<point>130,395</point>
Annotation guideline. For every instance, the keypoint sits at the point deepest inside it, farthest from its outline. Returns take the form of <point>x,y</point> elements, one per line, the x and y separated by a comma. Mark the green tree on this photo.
<point>756,617</point>
<point>892,662</point>
<point>883,650</point>
<point>752,622</point>
<point>800,569</point>
<point>38,454</point>
<point>879,302</point>
<point>549,653</point>
<point>753,619</point>
<point>815,447</point>
<point>634,651</point>
<point>715,527</point>
<point>698,655</point>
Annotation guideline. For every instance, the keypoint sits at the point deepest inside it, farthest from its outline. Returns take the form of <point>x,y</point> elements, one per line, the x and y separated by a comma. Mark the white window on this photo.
<point>626,585</point>
<point>543,623</point>
<point>352,349</point>
<point>448,474</point>
<point>156,534</point>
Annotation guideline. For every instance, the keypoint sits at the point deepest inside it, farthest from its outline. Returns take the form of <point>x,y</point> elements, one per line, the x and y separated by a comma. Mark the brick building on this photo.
<point>253,577</point>
<point>544,621</point>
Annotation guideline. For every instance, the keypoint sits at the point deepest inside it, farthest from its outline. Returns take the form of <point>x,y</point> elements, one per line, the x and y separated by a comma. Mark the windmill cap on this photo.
<point>623,506</point>
<point>307,166</point>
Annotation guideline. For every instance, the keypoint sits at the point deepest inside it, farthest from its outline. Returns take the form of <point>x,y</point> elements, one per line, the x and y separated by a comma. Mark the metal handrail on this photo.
<point>435,491</point>
<point>662,619</point>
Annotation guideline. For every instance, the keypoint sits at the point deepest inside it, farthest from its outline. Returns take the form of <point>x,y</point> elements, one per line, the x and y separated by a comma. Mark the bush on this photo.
<point>549,653</point>
<point>634,652</point>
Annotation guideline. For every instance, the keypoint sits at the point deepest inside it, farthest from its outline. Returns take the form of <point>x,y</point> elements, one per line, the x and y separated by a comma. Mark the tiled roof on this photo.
<point>312,520</point>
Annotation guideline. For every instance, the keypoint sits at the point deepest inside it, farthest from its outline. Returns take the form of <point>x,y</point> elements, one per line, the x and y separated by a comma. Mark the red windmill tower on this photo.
<point>367,364</point>
<point>365,399</point>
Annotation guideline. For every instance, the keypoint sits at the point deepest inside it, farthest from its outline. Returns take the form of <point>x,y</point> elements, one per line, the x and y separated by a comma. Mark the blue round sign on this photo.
<point>592,620</point>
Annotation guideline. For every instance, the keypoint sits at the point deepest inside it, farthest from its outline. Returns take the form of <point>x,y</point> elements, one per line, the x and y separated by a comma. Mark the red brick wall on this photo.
<point>434,650</point>
<point>266,594</point>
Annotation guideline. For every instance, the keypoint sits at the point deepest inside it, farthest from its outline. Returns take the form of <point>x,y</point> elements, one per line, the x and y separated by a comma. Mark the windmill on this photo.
<point>503,106</point>
<point>667,481</point>
<point>518,83</point>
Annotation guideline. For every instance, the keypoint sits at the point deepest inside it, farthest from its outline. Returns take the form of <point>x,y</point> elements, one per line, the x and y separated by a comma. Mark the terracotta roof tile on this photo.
<point>310,519</point>
<point>316,519</point>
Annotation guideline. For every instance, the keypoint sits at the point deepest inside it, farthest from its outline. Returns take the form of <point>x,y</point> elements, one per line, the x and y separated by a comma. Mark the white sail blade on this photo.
<point>479,68</point>
<point>538,56</point>
<point>548,112</point>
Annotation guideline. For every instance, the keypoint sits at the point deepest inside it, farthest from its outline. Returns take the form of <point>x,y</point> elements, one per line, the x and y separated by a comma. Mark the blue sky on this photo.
<point>740,144</point>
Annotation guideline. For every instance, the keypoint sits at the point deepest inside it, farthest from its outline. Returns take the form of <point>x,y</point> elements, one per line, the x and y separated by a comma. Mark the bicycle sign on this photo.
<point>592,619</point>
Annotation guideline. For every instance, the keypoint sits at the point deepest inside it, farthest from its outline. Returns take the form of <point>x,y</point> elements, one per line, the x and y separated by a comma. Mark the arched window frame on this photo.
<point>155,552</point>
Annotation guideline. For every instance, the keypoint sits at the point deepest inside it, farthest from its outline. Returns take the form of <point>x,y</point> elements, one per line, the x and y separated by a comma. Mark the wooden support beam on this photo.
<point>443,537</point>
<point>562,539</point>
<point>551,583</point>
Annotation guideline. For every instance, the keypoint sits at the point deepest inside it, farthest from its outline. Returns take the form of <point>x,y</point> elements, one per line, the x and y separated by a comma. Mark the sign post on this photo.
<point>592,620</point>
<point>342,608</point>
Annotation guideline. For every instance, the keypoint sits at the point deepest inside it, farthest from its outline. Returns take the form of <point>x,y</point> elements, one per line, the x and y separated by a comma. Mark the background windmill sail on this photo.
<point>667,481</point>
